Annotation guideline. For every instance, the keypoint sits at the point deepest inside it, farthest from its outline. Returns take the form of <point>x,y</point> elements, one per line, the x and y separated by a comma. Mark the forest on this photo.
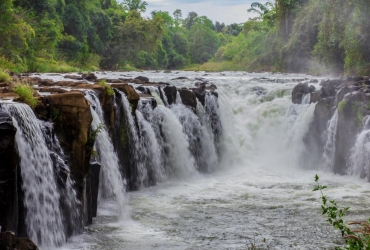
<point>310,36</point>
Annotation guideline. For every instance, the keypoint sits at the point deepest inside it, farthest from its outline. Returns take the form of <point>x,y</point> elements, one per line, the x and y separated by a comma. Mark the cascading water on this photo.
<point>359,161</point>
<point>72,206</point>
<point>180,161</point>
<point>142,173</point>
<point>150,149</point>
<point>329,138</point>
<point>201,144</point>
<point>111,178</point>
<point>41,196</point>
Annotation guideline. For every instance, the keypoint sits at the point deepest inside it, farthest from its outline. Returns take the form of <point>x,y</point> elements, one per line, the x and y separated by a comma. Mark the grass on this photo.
<point>4,76</point>
<point>216,67</point>
<point>26,94</point>
<point>108,89</point>
<point>45,66</point>
<point>129,67</point>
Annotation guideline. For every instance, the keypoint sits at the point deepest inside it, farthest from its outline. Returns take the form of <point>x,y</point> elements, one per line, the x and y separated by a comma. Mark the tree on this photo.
<point>177,15</point>
<point>137,5</point>
<point>190,19</point>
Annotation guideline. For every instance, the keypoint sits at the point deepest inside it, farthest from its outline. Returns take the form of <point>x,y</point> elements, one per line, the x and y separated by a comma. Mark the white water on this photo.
<point>41,196</point>
<point>329,137</point>
<point>111,178</point>
<point>360,157</point>
<point>150,149</point>
<point>260,187</point>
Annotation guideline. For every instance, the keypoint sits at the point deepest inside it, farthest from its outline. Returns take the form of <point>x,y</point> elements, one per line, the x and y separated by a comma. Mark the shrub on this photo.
<point>26,94</point>
<point>4,77</point>
<point>108,89</point>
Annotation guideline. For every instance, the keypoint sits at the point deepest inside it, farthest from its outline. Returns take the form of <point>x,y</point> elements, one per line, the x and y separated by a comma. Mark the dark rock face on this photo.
<point>351,99</point>
<point>8,174</point>
<point>188,98</point>
<point>170,92</point>
<point>299,91</point>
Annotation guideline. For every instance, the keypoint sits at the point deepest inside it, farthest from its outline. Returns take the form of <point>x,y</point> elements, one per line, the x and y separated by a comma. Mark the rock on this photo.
<point>148,100</point>
<point>167,71</point>
<point>142,79</point>
<point>46,82</point>
<point>25,244</point>
<point>7,240</point>
<point>188,98</point>
<point>143,90</point>
<point>132,96</point>
<point>213,86</point>
<point>74,77</point>
<point>9,160</point>
<point>312,89</point>
<point>72,117</point>
<point>259,90</point>
<point>94,174</point>
<point>299,91</point>
<point>90,77</point>
<point>170,92</point>
<point>181,78</point>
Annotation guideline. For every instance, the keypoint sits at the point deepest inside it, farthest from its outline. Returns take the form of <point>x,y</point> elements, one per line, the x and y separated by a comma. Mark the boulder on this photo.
<point>142,79</point>
<point>188,98</point>
<point>170,93</point>
<point>7,241</point>
<point>299,91</point>
<point>167,71</point>
<point>132,96</point>
<point>90,77</point>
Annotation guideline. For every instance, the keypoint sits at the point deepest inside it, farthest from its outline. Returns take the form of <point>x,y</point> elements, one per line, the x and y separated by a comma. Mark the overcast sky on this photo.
<point>227,11</point>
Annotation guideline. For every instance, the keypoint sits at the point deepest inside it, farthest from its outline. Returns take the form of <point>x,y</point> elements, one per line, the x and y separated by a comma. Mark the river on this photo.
<point>258,194</point>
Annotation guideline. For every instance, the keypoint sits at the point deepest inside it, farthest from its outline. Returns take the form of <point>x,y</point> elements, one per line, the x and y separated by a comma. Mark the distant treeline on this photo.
<point>316,36</point>
<point>63,35</point>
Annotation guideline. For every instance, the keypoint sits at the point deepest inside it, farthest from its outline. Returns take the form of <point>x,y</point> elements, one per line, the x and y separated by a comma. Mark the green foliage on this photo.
<point>4,76</point>
<point>108,89</point>
<point>341,105</point>
<point>355,239</point>
<point>26,94</point>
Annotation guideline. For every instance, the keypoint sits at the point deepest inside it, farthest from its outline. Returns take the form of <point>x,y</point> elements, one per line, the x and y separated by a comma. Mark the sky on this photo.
<point>227,11</point>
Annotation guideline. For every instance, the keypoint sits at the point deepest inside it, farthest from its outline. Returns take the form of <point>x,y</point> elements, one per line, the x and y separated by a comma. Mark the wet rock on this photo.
<point>299,91</point>
<point>142,79</point>
<point>259,90</point>
<point>74,77</point>
<point>188,98</point>
<point>90,77</point>
<point>143,90</point>
<point>132,96</point>
<point>25,244</point>
<point>170,92</point>
<point>9,160</point>
<point>94,173</point>
<point>46,82</point>
<point>72,117</point>
<point>148,100</point>
<point>7,241</point>
<point>167,71</point>
<point>181,78</point>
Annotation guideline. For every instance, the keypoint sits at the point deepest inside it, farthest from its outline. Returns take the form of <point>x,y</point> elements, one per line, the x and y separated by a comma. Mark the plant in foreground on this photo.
<point>355,239</point>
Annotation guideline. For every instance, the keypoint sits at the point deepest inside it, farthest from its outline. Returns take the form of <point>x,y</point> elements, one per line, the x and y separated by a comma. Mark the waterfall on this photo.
<point>201,144</point>
<point>180,162</point>
<point>142,173</point>
<point>72,206</point>
<point>213,114</point>
<point>178,98</point>
<point>359,161</point>
<point>41,196</point>
<point>111,177</point>
<point>165,101</point>
<point>329,137</point>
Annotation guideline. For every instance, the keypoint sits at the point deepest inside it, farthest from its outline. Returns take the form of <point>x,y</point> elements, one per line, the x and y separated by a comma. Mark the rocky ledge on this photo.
<point>344,101</point>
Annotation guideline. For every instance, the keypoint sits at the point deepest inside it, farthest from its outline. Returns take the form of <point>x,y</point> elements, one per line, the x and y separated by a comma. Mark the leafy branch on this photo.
<point>355,239</point>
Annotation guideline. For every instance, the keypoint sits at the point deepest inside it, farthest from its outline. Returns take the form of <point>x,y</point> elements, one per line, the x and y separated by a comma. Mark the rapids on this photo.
<point>257,189</point>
